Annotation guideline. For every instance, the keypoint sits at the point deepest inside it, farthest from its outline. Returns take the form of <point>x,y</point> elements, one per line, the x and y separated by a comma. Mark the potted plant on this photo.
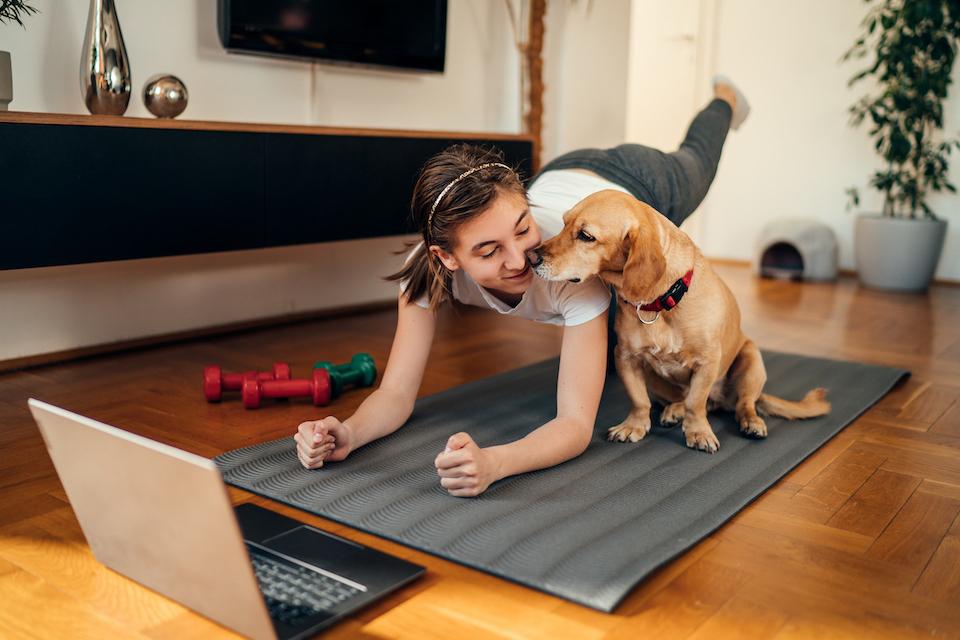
<point>10,11</point>
<point>915,42</point>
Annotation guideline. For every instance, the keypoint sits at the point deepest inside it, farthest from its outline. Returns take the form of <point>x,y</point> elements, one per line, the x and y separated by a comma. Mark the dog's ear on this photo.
<point>644,267</point>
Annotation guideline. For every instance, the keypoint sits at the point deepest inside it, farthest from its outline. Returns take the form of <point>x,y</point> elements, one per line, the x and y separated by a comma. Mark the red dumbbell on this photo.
<point>215,382</point>
<point>317,389</point>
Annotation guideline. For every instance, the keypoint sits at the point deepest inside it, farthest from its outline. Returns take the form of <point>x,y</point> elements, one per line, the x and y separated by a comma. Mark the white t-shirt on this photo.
<point>552,302</point>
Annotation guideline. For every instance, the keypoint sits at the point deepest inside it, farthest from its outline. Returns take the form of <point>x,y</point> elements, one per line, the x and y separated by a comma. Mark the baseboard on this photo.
<point>735,262</point>
<point>26,362</point>
<point>56,357</point>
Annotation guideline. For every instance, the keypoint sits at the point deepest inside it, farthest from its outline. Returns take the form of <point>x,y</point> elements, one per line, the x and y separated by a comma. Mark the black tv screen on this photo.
<point>410,34</point>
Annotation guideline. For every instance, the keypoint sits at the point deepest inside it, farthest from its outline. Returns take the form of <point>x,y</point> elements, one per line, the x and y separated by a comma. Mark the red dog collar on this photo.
<point>667,301</point>
<point>672,297</point>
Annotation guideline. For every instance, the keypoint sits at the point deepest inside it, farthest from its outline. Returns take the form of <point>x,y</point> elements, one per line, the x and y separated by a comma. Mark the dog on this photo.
<point>678,324</point>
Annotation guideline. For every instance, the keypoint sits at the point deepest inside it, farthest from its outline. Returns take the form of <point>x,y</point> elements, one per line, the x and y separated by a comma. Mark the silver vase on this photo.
<point>105,81</point>
<point>6,80</point>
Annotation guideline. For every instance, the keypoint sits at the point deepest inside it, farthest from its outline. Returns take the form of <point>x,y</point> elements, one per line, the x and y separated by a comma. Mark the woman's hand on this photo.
<point>465,469</point>
<point>321,440</point>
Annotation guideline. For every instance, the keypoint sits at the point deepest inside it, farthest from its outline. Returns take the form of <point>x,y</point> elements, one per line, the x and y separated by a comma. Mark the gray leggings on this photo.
<point>672,183</point>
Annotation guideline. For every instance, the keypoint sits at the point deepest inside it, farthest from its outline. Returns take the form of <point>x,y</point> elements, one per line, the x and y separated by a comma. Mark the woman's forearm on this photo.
<point>557,441</point>
<point>382,413</point>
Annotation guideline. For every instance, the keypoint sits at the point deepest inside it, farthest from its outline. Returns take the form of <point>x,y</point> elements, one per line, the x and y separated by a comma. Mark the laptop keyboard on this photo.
<point>294,593</point>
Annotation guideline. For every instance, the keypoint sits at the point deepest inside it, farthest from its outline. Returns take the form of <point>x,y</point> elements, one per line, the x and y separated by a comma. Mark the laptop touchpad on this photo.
<point>319,549</point>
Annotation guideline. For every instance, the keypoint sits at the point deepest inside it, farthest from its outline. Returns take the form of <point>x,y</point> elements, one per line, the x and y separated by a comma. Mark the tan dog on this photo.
<point>692,357</point>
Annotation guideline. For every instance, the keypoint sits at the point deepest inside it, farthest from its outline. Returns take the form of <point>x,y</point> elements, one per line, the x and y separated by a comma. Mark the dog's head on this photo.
<point>608,231</point>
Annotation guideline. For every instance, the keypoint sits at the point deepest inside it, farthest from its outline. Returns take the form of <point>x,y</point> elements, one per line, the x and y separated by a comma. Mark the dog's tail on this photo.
<point>813,404</point>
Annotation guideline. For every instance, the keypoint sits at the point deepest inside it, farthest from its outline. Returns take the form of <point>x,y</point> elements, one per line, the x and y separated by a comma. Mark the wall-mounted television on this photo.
<point>407,34</point>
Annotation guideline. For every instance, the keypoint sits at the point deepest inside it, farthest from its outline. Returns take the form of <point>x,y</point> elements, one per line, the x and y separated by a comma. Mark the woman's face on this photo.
<point>492,247</point>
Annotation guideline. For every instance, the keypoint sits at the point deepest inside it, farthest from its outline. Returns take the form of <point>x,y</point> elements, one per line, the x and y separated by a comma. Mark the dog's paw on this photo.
<point>631,429</point>
<point>753,427</point>
<point>672,415</point>
<point>703,439</point>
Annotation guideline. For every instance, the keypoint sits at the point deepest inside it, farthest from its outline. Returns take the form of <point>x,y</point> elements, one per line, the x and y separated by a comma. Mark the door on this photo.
<point>671,59</point>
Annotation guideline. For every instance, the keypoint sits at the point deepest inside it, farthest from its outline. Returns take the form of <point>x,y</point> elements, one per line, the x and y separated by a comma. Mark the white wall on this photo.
<point>802,155</point>
<point>55,308</point>
<point>478,91</point>
<point>585,74</point>
<point>174,36</point>
<point>796,154</point>
<point>58,308</point>
<point>615,70</point>
<point>668,75</point>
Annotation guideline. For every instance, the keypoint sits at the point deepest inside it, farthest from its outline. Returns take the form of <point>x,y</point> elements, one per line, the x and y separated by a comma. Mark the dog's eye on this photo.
<point>586,237</point>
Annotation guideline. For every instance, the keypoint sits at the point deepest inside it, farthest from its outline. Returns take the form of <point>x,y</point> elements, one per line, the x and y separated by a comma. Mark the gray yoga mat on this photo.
<point>587,530</point>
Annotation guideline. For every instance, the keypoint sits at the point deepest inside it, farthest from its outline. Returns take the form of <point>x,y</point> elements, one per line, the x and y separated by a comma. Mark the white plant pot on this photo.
<point>897,254</point>
<point>6,80</point>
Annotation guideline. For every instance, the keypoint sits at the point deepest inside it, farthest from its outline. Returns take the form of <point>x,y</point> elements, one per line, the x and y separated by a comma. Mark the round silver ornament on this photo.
<point>165,96</point>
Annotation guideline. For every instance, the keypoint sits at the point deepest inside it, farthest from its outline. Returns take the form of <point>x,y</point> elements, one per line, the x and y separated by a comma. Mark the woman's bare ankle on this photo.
<point>725,93</point>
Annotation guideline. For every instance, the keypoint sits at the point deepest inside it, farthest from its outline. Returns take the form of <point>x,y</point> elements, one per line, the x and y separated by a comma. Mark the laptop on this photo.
<point>162,517</point>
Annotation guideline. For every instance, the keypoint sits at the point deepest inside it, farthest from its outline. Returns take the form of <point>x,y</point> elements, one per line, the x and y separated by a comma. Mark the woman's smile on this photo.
<point>522,275</point>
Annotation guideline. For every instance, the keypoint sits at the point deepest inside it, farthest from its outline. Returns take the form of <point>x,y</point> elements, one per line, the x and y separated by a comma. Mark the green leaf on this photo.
<point>916,44</point>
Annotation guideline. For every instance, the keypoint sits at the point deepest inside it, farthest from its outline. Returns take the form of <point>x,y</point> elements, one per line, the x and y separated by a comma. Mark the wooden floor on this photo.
<point>861,540</point>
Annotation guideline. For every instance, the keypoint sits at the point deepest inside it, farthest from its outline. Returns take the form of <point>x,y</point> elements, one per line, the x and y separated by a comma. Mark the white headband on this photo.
<point>463,175</point>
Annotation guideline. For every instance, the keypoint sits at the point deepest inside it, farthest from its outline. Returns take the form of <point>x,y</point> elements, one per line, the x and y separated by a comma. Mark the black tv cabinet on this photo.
<point>78,189</point>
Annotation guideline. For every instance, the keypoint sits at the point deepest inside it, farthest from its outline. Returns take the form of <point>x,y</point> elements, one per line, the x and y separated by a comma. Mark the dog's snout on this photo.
<point>535,256</point>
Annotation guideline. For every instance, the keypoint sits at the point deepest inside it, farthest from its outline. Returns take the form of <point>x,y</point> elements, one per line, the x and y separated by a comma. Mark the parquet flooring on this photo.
<point>861,540</point>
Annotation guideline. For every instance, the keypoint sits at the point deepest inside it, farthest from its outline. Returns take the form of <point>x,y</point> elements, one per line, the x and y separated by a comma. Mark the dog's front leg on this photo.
<point>696,428</point>
<point>637,423</point>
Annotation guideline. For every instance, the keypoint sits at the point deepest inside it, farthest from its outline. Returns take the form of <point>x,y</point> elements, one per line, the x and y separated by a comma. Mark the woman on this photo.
<point>478,226</point>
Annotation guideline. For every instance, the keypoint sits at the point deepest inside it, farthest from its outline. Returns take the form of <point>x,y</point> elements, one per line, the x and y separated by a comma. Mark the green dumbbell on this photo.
<point>360,372</point>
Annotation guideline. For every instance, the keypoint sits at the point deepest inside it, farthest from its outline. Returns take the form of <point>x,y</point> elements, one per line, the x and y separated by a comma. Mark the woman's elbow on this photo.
<point>584,434</point>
